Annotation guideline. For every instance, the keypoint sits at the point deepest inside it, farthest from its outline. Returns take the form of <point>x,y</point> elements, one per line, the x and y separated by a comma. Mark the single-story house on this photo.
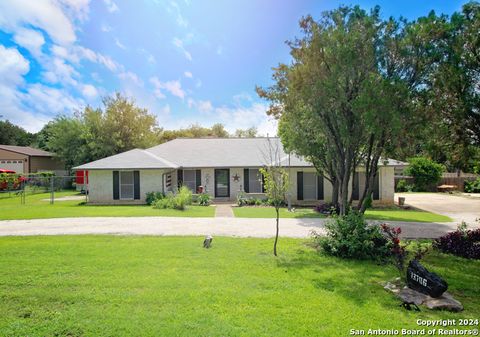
<point>223,167</point>
<point>25,159</point>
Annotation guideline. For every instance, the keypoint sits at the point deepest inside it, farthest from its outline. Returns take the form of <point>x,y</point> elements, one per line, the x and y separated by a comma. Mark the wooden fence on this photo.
<point>448,178</point>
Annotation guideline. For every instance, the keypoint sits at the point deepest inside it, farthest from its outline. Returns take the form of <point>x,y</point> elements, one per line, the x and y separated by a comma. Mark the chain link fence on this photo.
<point>22,186</point>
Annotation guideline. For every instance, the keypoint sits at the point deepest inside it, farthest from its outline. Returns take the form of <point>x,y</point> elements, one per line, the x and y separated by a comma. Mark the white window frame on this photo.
<point>121,185</point>
<point>194,190</point>
<point>259,177</point>
<point>315,186</point>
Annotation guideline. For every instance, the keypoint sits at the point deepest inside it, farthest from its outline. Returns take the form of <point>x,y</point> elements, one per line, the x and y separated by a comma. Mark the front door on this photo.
<point>222,183</point>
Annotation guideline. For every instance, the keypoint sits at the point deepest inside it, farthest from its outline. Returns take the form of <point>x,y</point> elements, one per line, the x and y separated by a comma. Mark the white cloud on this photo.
<point>173,87</point>
<point>105,28</point>
<point>131,77</point>
<point>47,15</point>
<point>111,6</point>
<point>242,117</point>
<point>50,100</point>
<point>31,40</point>
<point>150,58</point>
<point>12,66</point>
<point>89,91</point>
<point>180,45</point>
<point>58,71</point>
<point>188,74</point>
<point>244,113</point>
<point>202,106</point>
<point>119,44</point>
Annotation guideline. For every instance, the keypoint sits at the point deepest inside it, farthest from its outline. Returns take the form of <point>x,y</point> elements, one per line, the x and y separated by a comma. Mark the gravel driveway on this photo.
<point>459,208</point>
<point>240,227</point>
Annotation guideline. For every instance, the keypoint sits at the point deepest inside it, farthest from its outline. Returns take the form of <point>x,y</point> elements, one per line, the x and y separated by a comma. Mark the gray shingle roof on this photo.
<point>199,153</point>
<point>220,152</point>
<point>27,150</point>
<point>133,159</point>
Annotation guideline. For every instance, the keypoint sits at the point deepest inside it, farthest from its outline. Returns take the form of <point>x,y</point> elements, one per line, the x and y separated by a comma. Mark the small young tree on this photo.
<point>276,183</point>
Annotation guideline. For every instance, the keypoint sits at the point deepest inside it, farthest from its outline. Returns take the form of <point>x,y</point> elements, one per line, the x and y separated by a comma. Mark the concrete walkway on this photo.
<point>240,227</point>
<point>224,211</point>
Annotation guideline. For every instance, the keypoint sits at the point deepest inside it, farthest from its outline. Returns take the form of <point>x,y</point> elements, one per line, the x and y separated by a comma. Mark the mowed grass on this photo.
<point>171,286</point>
<point>269,212</point>
<point>390,214</point>
<point>36,207</point>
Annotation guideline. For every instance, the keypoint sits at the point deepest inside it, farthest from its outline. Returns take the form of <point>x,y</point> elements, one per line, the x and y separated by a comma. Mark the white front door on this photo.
<point>14,165</point>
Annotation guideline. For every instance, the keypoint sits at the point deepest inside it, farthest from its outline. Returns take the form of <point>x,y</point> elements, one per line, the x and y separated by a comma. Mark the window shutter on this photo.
<point>198,178</point>
<point>179,178</point>
<point>299,185</point>
<point>263,183</point>
<point>376,187</point>
<point>356,187</point>
<point>320,187</point>
<point>136,185</point>
<point>116,185</point>
<point>246,178</point>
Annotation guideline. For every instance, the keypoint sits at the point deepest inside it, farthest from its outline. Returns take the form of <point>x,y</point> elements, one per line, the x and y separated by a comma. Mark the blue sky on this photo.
<point>185,61</point>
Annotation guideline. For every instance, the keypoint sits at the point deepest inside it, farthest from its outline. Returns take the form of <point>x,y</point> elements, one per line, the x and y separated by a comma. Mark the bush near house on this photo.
<point>152,197</point>
<point>204,199</point>
<point>178,201</point>
<point>425,172</point>
<point>351,237</point>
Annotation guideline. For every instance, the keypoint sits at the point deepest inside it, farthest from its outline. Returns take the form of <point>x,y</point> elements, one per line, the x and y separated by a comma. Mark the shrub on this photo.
<point>204,199</point>
<point>472,186</point>
<point>241,199</point>
<point>152,197</point>
<point>175,201</point>
<point>462,242</point>
<point>350,236</point>
<point>402,186</point>
<point>183,198</point>
<point>425,172</point>
<point>398,251</point>
<point>326,208</point>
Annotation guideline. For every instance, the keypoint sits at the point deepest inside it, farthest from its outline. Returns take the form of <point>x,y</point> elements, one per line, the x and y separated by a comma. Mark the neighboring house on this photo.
<point>25,159</point>
<point>224,167</point>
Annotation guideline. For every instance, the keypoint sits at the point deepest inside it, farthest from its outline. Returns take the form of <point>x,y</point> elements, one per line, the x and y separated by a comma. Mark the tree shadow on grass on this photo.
<point>351,279</point>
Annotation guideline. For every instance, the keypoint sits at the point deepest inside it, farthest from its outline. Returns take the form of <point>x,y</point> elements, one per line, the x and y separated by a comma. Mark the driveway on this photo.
<point>459,208</point>
<point>220,226</point>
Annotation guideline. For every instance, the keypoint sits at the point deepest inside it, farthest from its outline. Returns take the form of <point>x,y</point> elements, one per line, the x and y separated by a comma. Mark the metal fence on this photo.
<point>22,186</point>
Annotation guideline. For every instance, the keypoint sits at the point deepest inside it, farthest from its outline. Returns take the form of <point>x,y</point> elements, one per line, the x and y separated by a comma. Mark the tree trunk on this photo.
<point>335,192</point>
<point>276,233</point>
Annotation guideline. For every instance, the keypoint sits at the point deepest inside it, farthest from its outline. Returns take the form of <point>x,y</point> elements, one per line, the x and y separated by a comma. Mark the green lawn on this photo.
<point>269,212</point>
<point>171,286</point>
<point>37,208</point>
<point>393,214</point>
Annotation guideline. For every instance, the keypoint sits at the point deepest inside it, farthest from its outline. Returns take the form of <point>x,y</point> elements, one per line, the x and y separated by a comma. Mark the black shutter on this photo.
<point>356,187</point>
<point>116,185</point>
<point>198,178</point>
<point>263,183</point>
<point>320,187</point>
<point>179,178</point>
<point>136,185</point>
<point>376,187</point>
<point>246,178</point>
<point>299,185</point>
